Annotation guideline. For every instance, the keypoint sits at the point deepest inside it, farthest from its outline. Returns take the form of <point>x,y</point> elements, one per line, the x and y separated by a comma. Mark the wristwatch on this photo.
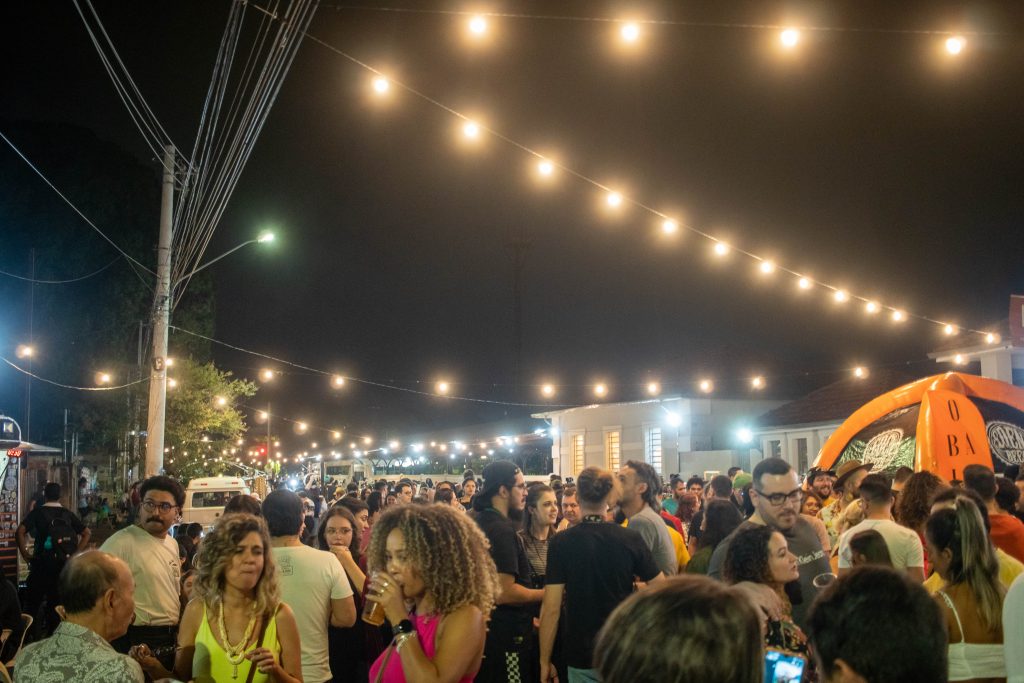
<point>404,626</point>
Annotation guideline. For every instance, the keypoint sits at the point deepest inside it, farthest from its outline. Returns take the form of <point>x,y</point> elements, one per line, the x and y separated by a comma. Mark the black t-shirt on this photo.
<point>596,562</point>
<point>38,523</point>
<point>508,555</point>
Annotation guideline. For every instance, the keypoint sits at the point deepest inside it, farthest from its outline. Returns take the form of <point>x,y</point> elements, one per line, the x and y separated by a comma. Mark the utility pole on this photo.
<point>161,320</point>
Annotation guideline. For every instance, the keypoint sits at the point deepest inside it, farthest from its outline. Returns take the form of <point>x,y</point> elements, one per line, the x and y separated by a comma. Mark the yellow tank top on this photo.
<point>210,663</point>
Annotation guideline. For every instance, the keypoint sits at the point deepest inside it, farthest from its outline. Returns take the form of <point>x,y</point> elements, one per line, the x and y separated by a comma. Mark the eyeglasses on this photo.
<point>151,505</point>
<point>777,499</point>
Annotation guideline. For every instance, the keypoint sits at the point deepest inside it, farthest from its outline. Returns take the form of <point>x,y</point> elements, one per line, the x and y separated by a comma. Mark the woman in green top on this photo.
<point>235,628</point>
<point>721,517</point>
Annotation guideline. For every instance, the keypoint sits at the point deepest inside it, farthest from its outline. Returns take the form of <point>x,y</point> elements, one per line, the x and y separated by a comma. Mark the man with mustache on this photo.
<point>152,556</point>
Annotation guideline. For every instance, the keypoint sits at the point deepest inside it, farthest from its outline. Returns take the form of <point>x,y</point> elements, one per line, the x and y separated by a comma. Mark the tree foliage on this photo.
<point>200,432</point>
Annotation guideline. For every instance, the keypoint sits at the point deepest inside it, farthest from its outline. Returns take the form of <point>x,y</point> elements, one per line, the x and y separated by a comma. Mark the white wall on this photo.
<point>696,433</point>
<point>815,435</point>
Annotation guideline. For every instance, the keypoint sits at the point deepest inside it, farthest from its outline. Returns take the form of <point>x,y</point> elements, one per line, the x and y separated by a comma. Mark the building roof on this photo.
<point>837,401</point>
<point>552,413</point>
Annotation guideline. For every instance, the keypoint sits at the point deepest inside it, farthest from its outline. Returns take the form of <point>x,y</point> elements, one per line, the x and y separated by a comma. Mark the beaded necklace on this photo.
<point>235,653</point>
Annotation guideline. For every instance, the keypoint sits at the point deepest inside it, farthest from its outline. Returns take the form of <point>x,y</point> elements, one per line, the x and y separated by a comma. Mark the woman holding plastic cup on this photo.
<point>433,578</point>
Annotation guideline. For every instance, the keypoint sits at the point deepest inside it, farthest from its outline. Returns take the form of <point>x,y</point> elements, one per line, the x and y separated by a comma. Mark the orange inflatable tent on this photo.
<point>941,423</point>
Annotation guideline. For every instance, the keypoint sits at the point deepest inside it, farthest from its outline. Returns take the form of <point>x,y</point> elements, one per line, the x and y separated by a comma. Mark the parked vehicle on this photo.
<point>206,497</point>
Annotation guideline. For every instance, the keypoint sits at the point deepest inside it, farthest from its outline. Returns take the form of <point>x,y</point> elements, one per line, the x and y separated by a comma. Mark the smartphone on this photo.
<point>780,667</point>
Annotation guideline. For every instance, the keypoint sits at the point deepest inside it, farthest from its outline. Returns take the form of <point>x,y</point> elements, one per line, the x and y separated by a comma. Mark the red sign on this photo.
<point>15,452</point>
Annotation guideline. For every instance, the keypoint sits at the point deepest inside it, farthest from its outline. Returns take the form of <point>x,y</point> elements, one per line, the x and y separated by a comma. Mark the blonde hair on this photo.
<point>852,515</point>
<point>215,554</point>
<point>447,550</point>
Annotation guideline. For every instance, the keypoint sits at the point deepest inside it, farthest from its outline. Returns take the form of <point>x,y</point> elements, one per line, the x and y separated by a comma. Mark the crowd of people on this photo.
<point>845,575</point>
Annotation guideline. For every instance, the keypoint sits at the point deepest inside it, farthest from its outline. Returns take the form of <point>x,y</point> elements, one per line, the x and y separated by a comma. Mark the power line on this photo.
<point>60,194</point>
<point>69,386</point>
<point>61,282</point>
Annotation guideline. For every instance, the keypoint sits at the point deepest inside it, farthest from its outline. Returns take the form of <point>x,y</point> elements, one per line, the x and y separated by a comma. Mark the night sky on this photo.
<point>869,159</point>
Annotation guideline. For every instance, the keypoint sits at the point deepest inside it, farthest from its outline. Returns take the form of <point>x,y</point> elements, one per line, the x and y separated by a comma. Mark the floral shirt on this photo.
<point>75,653</point>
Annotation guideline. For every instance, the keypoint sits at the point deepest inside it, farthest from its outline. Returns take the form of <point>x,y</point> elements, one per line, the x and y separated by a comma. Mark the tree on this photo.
<point>204,421</point>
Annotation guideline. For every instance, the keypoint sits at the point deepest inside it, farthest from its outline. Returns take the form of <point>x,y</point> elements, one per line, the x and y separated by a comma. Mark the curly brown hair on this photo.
<point>216,551</point>
<point>915,502</point>
<point>747,556</point>
<point>448,551</point>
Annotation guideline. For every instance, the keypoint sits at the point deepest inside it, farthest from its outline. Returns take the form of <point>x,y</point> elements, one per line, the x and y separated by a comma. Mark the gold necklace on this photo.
<point>235,653</point>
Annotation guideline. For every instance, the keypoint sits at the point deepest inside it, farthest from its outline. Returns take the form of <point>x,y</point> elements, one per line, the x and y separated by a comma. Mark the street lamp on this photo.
<point>162,303</point>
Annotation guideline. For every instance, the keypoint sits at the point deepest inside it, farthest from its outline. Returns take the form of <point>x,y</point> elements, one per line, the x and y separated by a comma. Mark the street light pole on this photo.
<point>161,319</point>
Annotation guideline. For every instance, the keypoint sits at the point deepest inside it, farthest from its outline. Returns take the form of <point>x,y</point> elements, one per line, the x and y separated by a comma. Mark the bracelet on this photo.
<point>401,638</point>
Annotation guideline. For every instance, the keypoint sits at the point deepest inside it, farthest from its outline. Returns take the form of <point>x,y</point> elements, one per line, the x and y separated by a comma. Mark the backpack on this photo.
<point>61,540</point>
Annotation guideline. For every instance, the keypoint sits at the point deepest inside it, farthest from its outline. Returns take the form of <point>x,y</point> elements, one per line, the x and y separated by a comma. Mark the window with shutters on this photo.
<point>612,449</point>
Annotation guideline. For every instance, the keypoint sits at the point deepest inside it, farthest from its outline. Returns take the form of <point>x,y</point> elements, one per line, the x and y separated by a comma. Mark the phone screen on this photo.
<point>782,668</point>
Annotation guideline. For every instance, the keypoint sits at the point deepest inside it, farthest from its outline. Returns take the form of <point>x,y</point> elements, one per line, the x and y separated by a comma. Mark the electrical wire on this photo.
<point>131,259</point>
<point>70,386</point>
<point>61,282</point>
<point>668,22</point>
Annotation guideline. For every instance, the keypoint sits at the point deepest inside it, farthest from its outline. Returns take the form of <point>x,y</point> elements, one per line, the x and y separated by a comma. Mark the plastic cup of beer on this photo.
<point>373,612</point>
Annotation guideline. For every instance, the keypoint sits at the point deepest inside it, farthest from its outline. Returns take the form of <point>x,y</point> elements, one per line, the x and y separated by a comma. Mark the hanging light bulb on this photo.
<point>841,296</point>
<point>706,386</point>
<point>630,32</point>
<point>871,307</point>
<point>898,316</point>
<point>949,330</point>
<point>789,38</point>
<point>757,382</point>
<point>548,390</point>
<point>767,267</point>
<point>803,283</point>
<point>653,388</point>
<point>955,45</point>
<point>600,389</point>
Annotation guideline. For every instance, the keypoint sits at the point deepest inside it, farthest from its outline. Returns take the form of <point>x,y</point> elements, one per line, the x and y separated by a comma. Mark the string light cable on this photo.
<point>616,198</point>
<point>71,386</point>
<point>131,259</point>
<point>661,22</point>
<point>60,282</point>
<point>359,380</point>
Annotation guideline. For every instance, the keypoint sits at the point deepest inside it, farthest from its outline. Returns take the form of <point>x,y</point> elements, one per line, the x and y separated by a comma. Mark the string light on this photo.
<point>706,386</point>
<point>336,435</point>
<point>471,129</point>
<point>991,338</point>
<point>898,316</point>
<point>171,383</point>
<point>721,248</point>
<point>367,441</point>
<point>103,378</point>
<point>337,381</point>
<point>871,307</point>
<point>25,351</point>
<point>381,85</point>
<point>266,375</point>
<point>757,382</point>
<point>789,38</point>
<point>600,389</point>
<point>955,45</point>
<point>220,401</point>
<point>548,390</point>
<point>841,296</point>
<point>301,427</point>
<point>803,283</point>
<point>669,226</point>
<point>478,25</point>
<point>630,32</point>
<point>168,362</point>
<point>949,330</point>
<point>653,388</point>
<point>860,372</point>
<point>443,387</point>
<point>545,167</point>
<point>614,200</point>
<point>958,359</point>
<point>767,267</point>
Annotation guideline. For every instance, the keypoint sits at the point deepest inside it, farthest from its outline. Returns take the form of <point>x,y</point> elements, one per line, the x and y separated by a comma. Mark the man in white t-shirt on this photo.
<point>312,581</point>
<point>152,555</point>
<point>904,544</point>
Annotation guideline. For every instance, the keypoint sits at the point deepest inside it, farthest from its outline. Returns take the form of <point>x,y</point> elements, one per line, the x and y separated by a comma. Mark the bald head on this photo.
<point>87,577</point>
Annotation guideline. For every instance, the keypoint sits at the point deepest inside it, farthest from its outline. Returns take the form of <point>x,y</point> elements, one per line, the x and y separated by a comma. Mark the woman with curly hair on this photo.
<point>915,505</point>
<point>236,625</point>
<point>759,554</point>
<point>435,559</point>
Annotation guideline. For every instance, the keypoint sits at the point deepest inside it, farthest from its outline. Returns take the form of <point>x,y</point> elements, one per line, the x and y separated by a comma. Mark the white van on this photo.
<point>206,497</point>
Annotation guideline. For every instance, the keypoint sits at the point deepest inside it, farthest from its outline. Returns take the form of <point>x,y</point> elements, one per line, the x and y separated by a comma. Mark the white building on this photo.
<point>674,434</point>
